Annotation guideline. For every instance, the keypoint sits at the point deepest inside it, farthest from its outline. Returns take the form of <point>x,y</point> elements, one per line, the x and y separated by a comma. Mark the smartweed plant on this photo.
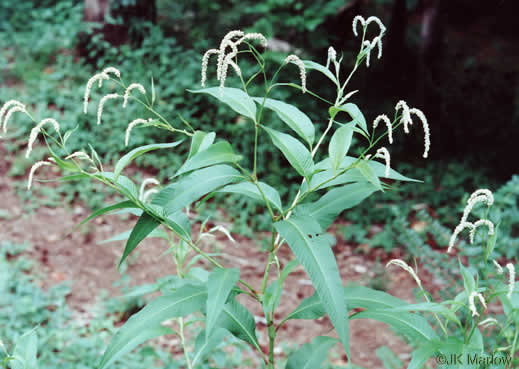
<point>339,180</point>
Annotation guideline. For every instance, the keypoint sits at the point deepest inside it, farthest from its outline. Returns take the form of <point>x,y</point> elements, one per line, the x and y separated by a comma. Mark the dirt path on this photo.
<point>92,267</point>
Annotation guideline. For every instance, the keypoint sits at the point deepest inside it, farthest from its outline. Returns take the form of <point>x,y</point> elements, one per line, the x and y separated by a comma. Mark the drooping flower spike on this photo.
<point>11,111</point>
<point>132,124</point>
<point>479,223</point>
<point>460,227</point>
<point>146,195</point>
<point>126,96</point>
<point>365,24</point>
<point>406,114</point>
<point>146,182</point>
<point>402,264</point>
<point>386,120</point>
<point>8,105</point>
<point>484,192</point>
<point>224,58</point>
<point>302,71</point>
<point>511,279</point>
<point>35,166</point>
<point>472,305</point>
<point>384,154</point>
<point>99,77</point>
<point>498,267</point>
<point>36,131</point>
<point>472,202</point>
<point>102,104</point>
<point>407,121</point>
<point>488,322</point>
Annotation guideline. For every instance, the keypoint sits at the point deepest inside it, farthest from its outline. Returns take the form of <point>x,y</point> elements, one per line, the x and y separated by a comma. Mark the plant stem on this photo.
<point>183,343</point>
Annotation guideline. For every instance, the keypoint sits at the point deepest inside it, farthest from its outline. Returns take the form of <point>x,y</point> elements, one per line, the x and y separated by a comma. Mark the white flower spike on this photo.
<point>205,62</point>
<point>406,114</point>
<point>102,104</point>
<point>386,120</point>
<point>402,264</point>
<point>132,124</point>
<point>472,305</point>
<point>427,135</point>
<point>97,77</point>
<point>36,130</point>
<point>223,230</point>
<point>484,192</point>
<point>146,195</point>
<point>6,107</point>
<point>146,182</point>
<point>80,155</point>
<point>457,231</point>
<point>332,57</point>
<point>511,279</point>
<point>302,71</point>
<point>472,202</point>
<point>14,109</point>
<point>488,322</point>
<point>36,165</point>
<point>384,154</point>
<point>479,223</point>
<point>113,70</point>
<point>498,267</point>
<point>126,96</point>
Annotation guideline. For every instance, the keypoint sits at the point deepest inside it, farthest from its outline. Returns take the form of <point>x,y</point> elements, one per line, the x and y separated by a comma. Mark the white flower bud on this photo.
<point>402,264</point>
<point>36,165</point>
<point>126,96</point>
<point>102,104</point>
<point>80,155</point>
<point>302,71</point>
<point>332,56</point>
<point>386,120</point>
<point>223,230</point>
<point>205,62</point>
<point>488,322</point>
<point>113,70</point>
<point>36,130</point>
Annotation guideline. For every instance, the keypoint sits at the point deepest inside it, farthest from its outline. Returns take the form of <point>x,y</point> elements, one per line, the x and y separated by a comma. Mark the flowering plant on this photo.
<point>341,180</point>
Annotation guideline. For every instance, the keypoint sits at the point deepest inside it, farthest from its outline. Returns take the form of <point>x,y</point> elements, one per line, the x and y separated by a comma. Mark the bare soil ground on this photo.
<point>91,267</point>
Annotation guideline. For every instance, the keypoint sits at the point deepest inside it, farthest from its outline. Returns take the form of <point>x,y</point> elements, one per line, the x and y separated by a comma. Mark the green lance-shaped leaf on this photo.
<point>310,65</point>
<point>240,322</point>
<point>468,279</point>
<point>378,168</point>
<point>25,352</point>
<point>200,142</point>
<point>219,286</point>
<point>315,254</point>
<point>422,354</point>
<point>130,156</point>
<point>179,223</point>
<point>311,355</point>
<point>203,346</point>
<point>296,153</point>
<point>235,98</point>
<point>123,183</point>
<point>275,289</point>
<point>146,324</point>
<point>156,233</point>
<point>388,358</point>
<point>340,144</point>
<point>310,308</point>
<point>218,153</point>
<point>411,325</point>
<point>329,206</point>
<point>292,116</point>
<point>120,205</point>
<point>249,189</point>
<point>144,226</point>
<point>367,171</point>
<point>431,307</point>
<point>178,195</point>
<point>354,112</point>
<point>322,180</point>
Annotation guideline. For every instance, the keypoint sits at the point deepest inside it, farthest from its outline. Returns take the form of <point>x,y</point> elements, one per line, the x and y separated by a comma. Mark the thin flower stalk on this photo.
<point>128,90</point>
<point>36,131</point>
<point>35,166</point>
